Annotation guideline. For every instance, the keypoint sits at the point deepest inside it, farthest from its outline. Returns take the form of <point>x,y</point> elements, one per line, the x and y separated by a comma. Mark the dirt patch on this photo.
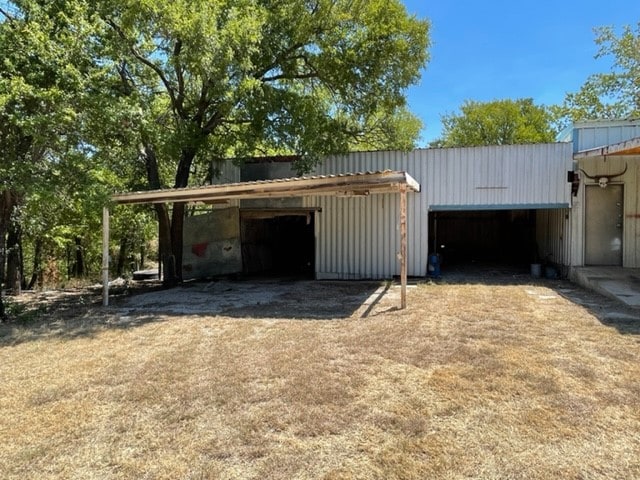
<point>267,298</point>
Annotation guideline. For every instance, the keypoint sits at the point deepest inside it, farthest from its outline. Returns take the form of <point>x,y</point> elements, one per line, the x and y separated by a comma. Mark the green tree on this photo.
<point>615,94</point>
<point>212,79</point>
<point>36,87</point>
<point>45,79</point>
<point>499,122</point>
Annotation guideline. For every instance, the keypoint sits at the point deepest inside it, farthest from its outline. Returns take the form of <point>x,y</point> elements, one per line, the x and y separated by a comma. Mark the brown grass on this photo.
<point>471,381</point>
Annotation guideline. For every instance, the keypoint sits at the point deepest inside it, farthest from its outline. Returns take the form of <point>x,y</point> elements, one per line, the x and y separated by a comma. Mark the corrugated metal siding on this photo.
<point>594,134</point>
<point>631,225</point>
<point>499,177</point>
<point>359,237</point>
<point>227,172</point>
<point>553,236</point>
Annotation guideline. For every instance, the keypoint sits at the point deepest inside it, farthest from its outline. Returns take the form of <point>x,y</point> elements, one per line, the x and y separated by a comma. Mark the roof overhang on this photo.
<point>628,147</point>
<point>349,184</point>
<point>497,206</point>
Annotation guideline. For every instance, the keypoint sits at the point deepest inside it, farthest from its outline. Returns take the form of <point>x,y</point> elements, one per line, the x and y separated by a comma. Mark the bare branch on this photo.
<point>299,76</point>
<point>179,73</point>
<point>157,70</point>
<point>278,60</point>
<point>203,102</point>
<point>212,123</point>
<point>7,15</point>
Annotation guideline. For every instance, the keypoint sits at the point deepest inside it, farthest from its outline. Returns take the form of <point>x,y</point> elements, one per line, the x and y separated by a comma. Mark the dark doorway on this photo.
<point>497,236</point>
<point>280,245</point>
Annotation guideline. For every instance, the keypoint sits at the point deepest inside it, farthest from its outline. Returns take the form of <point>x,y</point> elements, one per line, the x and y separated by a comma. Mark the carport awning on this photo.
<point>628,147</point>
<point>348,184</point>
<point>361,183</point>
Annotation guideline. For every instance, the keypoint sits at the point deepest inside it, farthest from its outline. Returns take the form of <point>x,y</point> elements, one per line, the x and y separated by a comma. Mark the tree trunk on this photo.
<point>167,259</point>
<point>177,215</point>
<point>169,276</point>
<point>177,224</point>
<point>13,282</point>
<point>7,204</point>
<point>22,270</point>
<point>78,264</point>
<point>70,266</point>
<point>36,275</point>
<point>122,256</point>
<point>143,253</point>
<point>170,228</point>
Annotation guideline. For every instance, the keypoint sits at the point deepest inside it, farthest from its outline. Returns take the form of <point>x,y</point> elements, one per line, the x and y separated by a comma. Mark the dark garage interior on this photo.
<point>500,237</point>
<point>278,245</point>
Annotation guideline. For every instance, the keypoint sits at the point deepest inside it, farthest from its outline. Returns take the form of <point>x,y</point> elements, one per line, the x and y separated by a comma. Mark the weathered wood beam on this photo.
<point>403,246</point>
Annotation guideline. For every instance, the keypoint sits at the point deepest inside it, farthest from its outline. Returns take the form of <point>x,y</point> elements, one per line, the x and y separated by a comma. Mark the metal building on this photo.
<point>566,204</point>
<point>605,216</point>
<point>506,203</point>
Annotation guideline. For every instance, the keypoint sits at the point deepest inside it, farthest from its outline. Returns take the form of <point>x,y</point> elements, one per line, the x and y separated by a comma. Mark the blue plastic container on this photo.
<point>433,265</point>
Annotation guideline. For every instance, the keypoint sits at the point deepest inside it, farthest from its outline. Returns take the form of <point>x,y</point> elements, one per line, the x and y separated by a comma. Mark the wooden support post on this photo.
<point>403,246</point>
<point>105,256</point>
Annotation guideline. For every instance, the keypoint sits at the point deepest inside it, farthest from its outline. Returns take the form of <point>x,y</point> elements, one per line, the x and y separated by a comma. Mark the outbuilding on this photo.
<point>566,205</point>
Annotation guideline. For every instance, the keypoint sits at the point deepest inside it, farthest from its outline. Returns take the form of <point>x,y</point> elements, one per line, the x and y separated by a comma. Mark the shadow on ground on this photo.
<point>288,299</point>
<point>608,311</point>
<point>79,313</point>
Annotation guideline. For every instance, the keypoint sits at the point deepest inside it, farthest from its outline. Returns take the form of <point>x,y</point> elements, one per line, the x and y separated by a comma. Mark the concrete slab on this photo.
<point>622,284</point>
<point>618,317</point>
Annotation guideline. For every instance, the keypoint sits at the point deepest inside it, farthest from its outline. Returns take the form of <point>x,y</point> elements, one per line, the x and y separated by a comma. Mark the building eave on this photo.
<point>628,147</point>
<point>356,184</point>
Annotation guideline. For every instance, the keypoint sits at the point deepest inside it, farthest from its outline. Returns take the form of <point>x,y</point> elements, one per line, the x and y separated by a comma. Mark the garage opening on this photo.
<point>277,244</point>
<point>496,237</point>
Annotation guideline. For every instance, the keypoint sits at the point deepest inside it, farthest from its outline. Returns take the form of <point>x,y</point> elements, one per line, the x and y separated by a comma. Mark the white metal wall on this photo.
<point>588,135</point>
<point>359,237</point>
<point>494,177</point>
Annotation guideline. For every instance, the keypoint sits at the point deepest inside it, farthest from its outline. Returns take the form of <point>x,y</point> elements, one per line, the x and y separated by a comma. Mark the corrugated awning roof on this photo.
<point>360,183</point>
<point>628,147</point>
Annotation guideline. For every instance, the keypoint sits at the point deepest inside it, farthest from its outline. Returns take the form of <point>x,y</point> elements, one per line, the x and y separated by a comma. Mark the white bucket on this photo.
<point>536,270</point>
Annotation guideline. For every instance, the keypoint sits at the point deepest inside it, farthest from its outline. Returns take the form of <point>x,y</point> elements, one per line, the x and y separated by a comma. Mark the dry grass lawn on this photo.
<point>472,381</point>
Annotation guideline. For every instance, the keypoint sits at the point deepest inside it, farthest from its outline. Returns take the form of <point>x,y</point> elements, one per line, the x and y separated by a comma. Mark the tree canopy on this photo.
<point>498,122</point>
<point>612,94</point>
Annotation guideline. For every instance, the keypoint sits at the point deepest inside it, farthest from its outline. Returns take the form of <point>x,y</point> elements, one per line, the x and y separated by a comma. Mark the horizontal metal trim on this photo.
<point>517,206</point>
<point>265,213</point>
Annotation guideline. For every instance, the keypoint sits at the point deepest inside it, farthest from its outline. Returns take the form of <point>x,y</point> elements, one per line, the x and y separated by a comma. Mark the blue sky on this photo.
<point>487,50</point>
